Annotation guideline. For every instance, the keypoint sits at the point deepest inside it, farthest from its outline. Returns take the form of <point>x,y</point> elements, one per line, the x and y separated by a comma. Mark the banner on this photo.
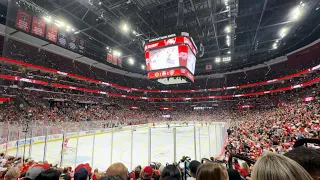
<point>62,38</point>
<point>81,46</point>
<point>245,106</point>
<point>209,67</point>
<point>307,99</point>
<point>115,60</point>
<point>109,58</point>
<point>52,32</point>
<point>119,62</point>
<point>38,26</point>
<point>23,20</point>
<point>73,43</point>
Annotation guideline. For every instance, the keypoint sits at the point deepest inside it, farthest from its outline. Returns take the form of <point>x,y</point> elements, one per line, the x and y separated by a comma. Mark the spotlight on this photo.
<point>275,46</point>
<point>125,27</point>
<point>227,29</point>
<point>131,61</point>
<point>143,67</point>
<point>296,13</point>
<point>283,32</point>
<point>47,19</point>
<point>229,52</point>
<point>218,59</point>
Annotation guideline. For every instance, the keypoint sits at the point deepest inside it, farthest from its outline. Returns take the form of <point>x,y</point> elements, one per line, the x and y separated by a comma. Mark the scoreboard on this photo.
<point>171,59</point>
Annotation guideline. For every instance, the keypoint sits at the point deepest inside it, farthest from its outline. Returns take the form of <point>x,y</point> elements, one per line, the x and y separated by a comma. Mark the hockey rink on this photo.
<point>193,141</point>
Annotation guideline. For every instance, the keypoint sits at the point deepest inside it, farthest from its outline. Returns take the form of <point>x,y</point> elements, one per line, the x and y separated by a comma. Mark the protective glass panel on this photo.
<point>70,149</point>
<point>204,141</point>
<point>13,135</point>
<point>162,149</point>
<point>121,147</point>
<point>38,142</point>
<point>140,147</point>
<point>85,145</point>
<point>102,147</point>
<point>214,134</point>
<point>185,141</point>
<point>54,148</point>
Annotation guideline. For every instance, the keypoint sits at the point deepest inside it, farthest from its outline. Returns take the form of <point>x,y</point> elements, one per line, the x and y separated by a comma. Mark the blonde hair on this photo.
<point>13,173</point>
<point>245,166</point>
<point>212,171</point>
<point>277,167</point>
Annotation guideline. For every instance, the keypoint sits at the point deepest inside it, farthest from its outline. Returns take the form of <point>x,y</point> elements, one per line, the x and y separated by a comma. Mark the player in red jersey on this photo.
<point>65,143</point>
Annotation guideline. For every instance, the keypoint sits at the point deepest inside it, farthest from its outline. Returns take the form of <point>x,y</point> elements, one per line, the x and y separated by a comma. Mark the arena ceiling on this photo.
<point>258,29</point>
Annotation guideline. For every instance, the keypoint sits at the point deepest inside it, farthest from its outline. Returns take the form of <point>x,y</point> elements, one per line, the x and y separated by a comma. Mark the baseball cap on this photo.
<point>35,170</point>
<point>81,174</point>
<point>194,165</point>
<point>86,166</point>
<point>147,172</point>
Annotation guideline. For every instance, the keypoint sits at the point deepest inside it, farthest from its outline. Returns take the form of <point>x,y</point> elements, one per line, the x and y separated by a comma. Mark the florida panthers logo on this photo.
<point>170,41</point>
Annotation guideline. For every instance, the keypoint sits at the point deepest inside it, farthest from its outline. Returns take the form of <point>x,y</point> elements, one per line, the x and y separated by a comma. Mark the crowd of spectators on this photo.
<point>253,132</point>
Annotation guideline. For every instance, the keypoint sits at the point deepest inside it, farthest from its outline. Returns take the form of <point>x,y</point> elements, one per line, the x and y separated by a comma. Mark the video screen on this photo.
<point>171,57</point>
<point>164,58</point>
<point>191,64</point>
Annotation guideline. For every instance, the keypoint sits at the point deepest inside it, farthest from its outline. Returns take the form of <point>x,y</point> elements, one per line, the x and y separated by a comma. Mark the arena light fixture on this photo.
<point>228,29</point>
<point>226,59</point>
<point>125,27</point>
<point>131,61</point>
<point>143,67</point>
<point>229,52</point>
<point>218,59</point>
<point>296,13</point>
<point>275,46</point>
<point>48,19</point>
<point>283,32</point>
